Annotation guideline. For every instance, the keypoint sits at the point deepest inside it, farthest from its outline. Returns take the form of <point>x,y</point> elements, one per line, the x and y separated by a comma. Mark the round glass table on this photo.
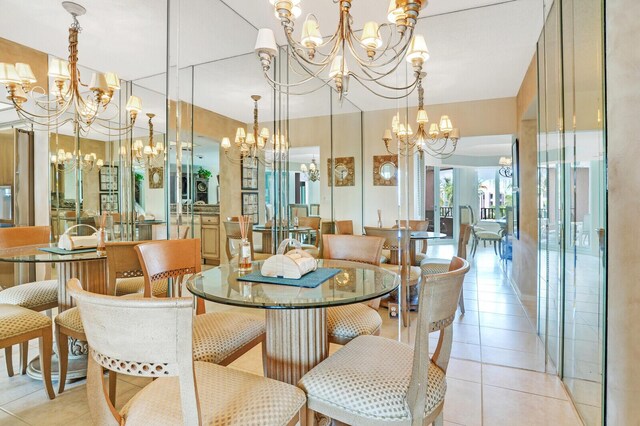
<point>421,236</point>
<point>90,268</point>
<point>296,317</point>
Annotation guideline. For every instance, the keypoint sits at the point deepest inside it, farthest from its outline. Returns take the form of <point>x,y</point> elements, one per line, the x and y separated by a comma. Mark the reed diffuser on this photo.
<point>244,252</point>
<point>379,218</point>
<point>101,248</point>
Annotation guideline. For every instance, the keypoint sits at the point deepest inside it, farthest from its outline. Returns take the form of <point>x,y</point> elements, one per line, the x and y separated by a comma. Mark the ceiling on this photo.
<point>480,49</point>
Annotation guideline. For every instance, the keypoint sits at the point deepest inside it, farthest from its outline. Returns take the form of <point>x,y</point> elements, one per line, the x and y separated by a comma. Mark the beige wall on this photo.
<point>525,249</point>
<point>623,136</point>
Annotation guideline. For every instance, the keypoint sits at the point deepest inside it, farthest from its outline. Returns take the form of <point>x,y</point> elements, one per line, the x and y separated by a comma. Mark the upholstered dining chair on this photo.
<point>347,322</point>
<point>18,325</point>
<point>313,222</point>
<point>487,232</point>
<point>126,278</point>
<point>415,226</point>
<point>218,337</point>
<point>344,227</point>
<point>38,295</point>
<point>232,231</point>
<point>374,380</point>
<point>186,392</point>
<point>396,241</point>
<point>433,266</point>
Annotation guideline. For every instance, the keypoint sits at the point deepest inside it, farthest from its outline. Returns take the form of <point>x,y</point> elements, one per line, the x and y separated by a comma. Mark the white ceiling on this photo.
<point>480,49</point>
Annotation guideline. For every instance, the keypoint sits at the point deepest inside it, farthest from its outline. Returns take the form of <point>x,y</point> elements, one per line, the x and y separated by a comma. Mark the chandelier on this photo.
<point>375,57</point>
<point>151,155</point>
<point>312,172</point>
<point>88,108</point>
<point>505,167</point>
<point>440,141</point>
<point>68,161</point>
<point>255,145</point>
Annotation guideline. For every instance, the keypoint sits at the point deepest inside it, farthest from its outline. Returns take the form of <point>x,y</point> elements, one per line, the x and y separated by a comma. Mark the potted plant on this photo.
<point>204,173</point>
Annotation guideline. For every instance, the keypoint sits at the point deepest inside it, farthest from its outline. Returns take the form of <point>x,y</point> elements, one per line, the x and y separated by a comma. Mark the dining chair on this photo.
<point>485,231</point>
<point>218,337</point>
<point>416,226</point>
<point>37,295</point>
<point>397,241</point>
<point>233,234</point>
<point>18,325</point>
<point>344,227</point>
<point>433,266</point>
<point>125,278</point>
<point>374,380</point>
<point>187,391</point>
<point>312,246</point>
<point>345,323</point>
<point>298,210</point>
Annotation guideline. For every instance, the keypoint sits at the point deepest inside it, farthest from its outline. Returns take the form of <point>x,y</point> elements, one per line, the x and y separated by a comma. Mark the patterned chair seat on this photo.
<point>38,295</point>
<point>431,266</point>
<point>368,379</point>
<point>414,276</point>
<point>227,397</point>
<point>70,319</point>
<point>217,335</point>
<point>135,285</point>
<point>16,320</point>
<point>350,321</point>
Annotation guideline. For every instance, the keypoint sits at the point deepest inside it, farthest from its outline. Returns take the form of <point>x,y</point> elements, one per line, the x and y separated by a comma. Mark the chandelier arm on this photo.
<point>304,67</point>
<point>372,62</point>
<point>410,88</point>
<point>278,86</point>
<point>293,44</point>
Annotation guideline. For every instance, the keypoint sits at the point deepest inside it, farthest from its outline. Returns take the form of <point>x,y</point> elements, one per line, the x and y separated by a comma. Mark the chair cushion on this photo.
<point>415,272</point>
<point>369,379</point>
<point>70,318</point>
<point>432,266</point>
<point>488,235</point>
<point>386,254</point>
<point>227,397</point>
<point>217,335</point>
<point>16,320</point>
<point>31,295</point>
<point>136,285</point>
<point>351,321</point>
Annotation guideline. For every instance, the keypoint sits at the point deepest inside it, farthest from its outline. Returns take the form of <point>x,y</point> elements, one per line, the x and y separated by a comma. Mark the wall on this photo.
<point>623,136</point>
<point>525,249</point>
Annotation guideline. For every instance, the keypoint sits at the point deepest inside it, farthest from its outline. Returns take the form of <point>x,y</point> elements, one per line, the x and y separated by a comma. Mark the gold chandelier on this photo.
<point>68,161</point>
<point>440,141</point>
<point>256,145</point>
<point>151,155</point>
<point>312,172</point>
<point>88,109</point>
<point>375,57</point>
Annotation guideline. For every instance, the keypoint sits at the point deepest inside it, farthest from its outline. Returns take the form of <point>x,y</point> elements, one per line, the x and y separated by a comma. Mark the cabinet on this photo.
<point>210,239</point>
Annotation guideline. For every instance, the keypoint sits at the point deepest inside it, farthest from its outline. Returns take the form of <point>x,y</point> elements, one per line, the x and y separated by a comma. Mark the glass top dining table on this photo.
<point>356,282</point>
<point>296,325</point>
<point>34,254</point>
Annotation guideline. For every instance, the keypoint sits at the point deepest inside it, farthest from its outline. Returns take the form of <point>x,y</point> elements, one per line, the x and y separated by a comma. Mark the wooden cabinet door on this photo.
<point>211,242</point>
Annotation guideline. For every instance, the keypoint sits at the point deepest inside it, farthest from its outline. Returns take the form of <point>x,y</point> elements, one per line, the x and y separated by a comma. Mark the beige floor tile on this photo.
<point>506,322</point>
<point>516,359</point>
<point>512,340</point>
<point>466,334</point>
<point>523,380</point>
<point>463,402</point>
<point>37,409</point>
<point>465,370</point>
<point>508,407</point>
<point>500,308</point>
<point>7,419</point>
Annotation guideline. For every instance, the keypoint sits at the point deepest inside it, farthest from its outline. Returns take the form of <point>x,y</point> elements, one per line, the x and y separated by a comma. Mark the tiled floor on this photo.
<point>495,376</point>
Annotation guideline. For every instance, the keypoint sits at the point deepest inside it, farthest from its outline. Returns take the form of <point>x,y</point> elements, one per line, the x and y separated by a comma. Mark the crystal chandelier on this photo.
<point>439,141</point>
<point>312,172</point>
<point>376,57</point>
<point>505,167</point>
<point>88,109</point>
<point>256,145</point>
<point>68,161</point>
<point>151,155</point>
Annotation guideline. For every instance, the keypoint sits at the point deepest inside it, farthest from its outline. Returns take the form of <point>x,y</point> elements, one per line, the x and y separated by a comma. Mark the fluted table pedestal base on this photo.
<point>297,340</point>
